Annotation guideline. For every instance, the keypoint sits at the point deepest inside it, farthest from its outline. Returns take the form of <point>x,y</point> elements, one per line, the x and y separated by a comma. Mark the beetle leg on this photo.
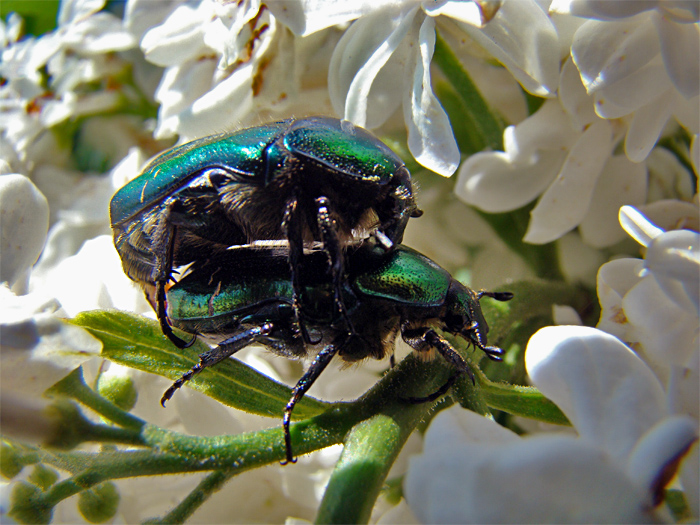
<point>222,351</point>
<point>329,236</point>
<point>478,339</point>
<point>317,366</point>
<point>394,216</point>
<point>492,352</point>
<point>292,230</point>
<point>423,339</point>
<point>435,395</point>
<point>163,319</point>
<point>163,242</point>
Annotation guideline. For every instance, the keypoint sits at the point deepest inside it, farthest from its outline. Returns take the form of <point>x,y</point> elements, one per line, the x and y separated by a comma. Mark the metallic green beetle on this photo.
<point>245,296</point>
<point>313,179</point>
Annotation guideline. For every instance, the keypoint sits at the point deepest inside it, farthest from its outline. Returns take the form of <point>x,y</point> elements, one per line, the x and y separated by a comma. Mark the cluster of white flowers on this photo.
<point>619,79</point>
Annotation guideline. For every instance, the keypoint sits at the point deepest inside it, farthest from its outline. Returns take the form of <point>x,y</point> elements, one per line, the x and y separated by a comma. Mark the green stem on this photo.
<point>109,434</point>
<point>372,445</point>
<point>370,449</point>
<point>116,465</point>
<point>73,386</point>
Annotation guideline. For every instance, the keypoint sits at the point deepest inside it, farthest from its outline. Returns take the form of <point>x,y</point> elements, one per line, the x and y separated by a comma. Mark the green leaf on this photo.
<point>137,342</point>
<point>470,112</point>
<point>522,401</point>
<point>39,15</point>
<point>677,504</point>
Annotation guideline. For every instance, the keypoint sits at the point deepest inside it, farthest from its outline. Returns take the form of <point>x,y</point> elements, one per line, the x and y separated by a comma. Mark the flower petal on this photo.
<point>72,11</point>
<point>430,137</point>
<point>566,202</point>
<point>695,157</point>
<point>38,349</point>
<point>523,38</point>
<point>615,279</point>
<point>680,47</point>
<point>686,113</point>
<point>661,331</point>
<point>600,10</point>
<point>24,214</point>
<point>672,183</point>
<point>492,183</point>
<point>638,226</point>
<point>357,60</point>
<point>456,424</point>
<point>646,127</point>
<point>461,481</point>
<point>579,261</point>
<point>92,279</point>
<point>607,52</point>
<point>651,462</point>
<point>634,91</point>
<point>549,129</point>
<point>180,36</point>
<point>608,393</point>
<point>621,182</point>
<point>574,98</point>
<point>309,16</point>
<point>476,12</point>
<point>674,260</point>
<point>101,33</point>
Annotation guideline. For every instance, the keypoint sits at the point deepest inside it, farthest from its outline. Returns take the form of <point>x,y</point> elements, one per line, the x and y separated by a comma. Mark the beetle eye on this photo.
<point>454,323</point>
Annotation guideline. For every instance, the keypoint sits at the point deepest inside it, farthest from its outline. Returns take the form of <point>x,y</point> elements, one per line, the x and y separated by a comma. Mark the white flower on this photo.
<point>24,222</point>
<point>616,85</point>
<point>474,471</point>
<point>383,61</point>
<point>222,62</point>
<point>653,306</point>
<point>562,154</point>
<point>653,303</point>
<point>75,54</point>
<point>642,59</point>
<point>37,350</point>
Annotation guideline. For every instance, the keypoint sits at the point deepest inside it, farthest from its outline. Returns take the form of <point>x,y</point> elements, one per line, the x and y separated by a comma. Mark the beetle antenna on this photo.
<point>498,296</point>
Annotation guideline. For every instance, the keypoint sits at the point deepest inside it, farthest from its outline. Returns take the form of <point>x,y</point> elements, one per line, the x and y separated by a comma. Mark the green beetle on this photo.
<point>245,296</point>
<point>313,179</point>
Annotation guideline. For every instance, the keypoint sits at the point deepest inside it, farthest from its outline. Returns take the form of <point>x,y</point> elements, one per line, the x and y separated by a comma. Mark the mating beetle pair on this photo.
<point>313,179</point>
<point>245,296</point>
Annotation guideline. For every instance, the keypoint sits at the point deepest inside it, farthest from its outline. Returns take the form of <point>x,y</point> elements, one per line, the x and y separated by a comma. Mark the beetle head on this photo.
<point>464,317</point>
